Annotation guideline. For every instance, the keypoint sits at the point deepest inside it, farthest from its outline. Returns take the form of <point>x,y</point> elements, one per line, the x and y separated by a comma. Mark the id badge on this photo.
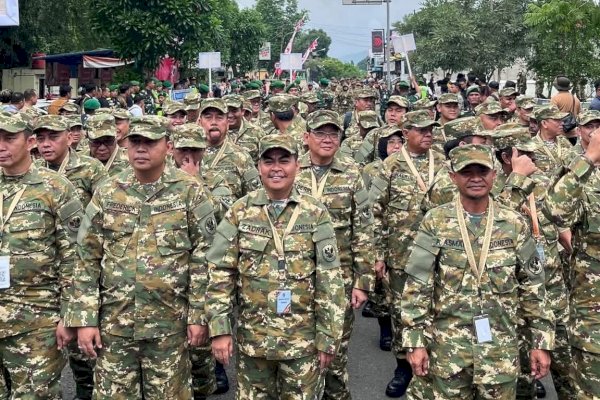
<point>483,331</point>
<point>4,272</point>
<point>284,301</point>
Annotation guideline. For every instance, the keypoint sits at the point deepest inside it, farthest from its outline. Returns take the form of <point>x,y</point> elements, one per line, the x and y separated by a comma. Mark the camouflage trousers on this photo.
<point>397,279</point>
<point>262,379</point>
<point>379,298</point>
<point>203,371</point>
<point>34,364</point>
<point>83,372</point>
<point>585,372</point>
<point>336,378</point>
<point>157,369</point>
<point>420,388</point>
<point>461,386</point>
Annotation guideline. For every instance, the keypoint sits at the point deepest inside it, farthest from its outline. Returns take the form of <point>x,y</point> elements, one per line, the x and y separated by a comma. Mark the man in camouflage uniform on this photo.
<point>176,112</point>
<point>367,121</point>
<point>79,141</point>
<point>311,100</point>
<point>587,122</point>
<point>276,252</point>
<point>426,105</point>
<point>336,181</point>
<point>449,109</point>
<point>490,115</point>
<point>53,140</point>
<point>281,108</point>
<point>397,192</point>
<point>259,117</point>
<point>460,303</point>
<point>40,218</point>
<point>192,102</point>
<point>525,105</point>
<point>241,132</point>
<point>572,202</point>
<point>325,95</point>
<point>364,99</point>
<point>102,134</point>
<point>555,150</point>
<point>343,101</point>
<point>148,93</point>
<point>507,98</point>
<point>139,289</point>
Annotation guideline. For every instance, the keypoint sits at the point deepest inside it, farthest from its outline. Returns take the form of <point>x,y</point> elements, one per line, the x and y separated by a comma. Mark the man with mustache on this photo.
<point>241,132</point>
<point>336,181</point>
<point>276,252</point>
<point>397,192</point>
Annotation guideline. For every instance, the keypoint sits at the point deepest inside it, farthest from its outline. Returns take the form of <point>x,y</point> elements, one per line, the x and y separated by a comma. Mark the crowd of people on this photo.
<point>145,241</point>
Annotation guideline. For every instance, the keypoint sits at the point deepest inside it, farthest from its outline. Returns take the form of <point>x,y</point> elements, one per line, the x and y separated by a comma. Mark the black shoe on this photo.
<point>367,311</point>
<point>221,377</point>
<point>385,333</point>
<point>540,390</point>
<point>399,383</point>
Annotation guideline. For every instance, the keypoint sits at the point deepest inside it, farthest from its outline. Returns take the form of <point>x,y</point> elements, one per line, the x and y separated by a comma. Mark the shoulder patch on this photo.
<point>329,252</point>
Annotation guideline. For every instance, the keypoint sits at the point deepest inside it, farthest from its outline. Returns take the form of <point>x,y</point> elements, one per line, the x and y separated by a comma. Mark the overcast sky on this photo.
<point>349,26</point>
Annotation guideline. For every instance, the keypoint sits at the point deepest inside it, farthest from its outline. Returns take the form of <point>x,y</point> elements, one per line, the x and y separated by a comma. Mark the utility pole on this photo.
<point>388,41</point>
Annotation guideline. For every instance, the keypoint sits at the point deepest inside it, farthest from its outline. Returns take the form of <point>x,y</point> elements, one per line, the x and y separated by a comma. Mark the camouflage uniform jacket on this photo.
<point>84,172</point>
<point>369,171</point>
<point>262,120</point>
<point>397,202</point>
<point>148,101</point>
<point>248,137</point>
<point>574,201</point>
<point>297,134</point>
<point>368,149</point>
<point>548,160</point>
<point>142,270</point>
<point>40,239</point>
<point>351,145</point>
<point>243,261</point>
<point>343,102</point>
<point>235,166</point>
<point>347,201</point>
<point>441,297</point>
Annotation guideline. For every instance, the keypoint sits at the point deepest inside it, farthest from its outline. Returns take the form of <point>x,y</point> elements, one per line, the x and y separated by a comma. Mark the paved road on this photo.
<point>370,369</point>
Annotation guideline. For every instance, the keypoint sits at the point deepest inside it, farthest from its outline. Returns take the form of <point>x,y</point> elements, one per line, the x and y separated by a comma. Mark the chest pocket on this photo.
<point>339,203</point>
<point>298,248</point>
<point>30,231</point>
<point>252,251</point>
<point>501,269</point>
<point>452,264</point>
<point>171,230</point>
<point>118,230</point>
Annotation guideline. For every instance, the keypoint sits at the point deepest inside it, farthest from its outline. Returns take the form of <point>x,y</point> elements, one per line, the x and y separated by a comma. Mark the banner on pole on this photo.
<point>9,12</point>
<point>264,53</point>
<point>209,60</point>
<point>403,43</point>
<point>291,61</point>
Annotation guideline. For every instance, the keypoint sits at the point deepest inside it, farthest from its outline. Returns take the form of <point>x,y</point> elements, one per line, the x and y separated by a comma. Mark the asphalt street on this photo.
<point>370,368</point>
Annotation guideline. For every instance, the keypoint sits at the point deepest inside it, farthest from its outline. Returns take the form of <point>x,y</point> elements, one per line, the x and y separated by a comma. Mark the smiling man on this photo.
<point>241,132</point>
<point>275,251</point>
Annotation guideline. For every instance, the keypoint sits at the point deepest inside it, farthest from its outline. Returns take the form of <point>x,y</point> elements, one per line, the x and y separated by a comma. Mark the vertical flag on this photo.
<point>288,48</point>
<point>311,48</point>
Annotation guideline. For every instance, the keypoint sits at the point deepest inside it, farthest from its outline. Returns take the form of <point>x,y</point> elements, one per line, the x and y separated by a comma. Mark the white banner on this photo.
<point>209,60</point>
<point>291,61</point>
<point>404,43</point>
<point>9,12</point>
<point>264,53</point>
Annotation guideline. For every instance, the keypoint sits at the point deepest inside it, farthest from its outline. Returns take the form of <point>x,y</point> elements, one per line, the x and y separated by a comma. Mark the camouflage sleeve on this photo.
<point>532,293</point>
<point>250,178</point>
<point>515,191</point>
<point>99,173</point>
<point>69,215</point>
<point>418,290</point>
<point>366,152</point>
<point>563,204</point>
<point>379,199</point>
<point>222,258</point>
<point>330,298</point>
<point>363,256</point>
<point>83,308</point>
<point>202,226</point>
<point>442,191</point>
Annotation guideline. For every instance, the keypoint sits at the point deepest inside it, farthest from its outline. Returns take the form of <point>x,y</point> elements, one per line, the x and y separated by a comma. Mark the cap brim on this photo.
<point>189,144</point>
<point>462,165</point>
<point>202,109</point>
<point>529,147</point>
<point>263,151</point>
<point>423,124</point>
<point>320,125</point>
<point>101,134</point>
<point>398,104</point>
<point>369,125</point>
<point>51,128</point>
<point>193,107</point>
<point>12,128</point>
<point>147,135</point>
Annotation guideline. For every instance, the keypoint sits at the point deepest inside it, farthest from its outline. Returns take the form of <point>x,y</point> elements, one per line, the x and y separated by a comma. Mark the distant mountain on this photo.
<point>356,57</point>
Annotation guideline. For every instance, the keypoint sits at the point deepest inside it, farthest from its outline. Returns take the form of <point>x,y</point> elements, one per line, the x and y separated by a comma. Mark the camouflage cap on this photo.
<point>549,111</point>
<point>252,94</point>
<point>588,116</point>
<point>104,110</point>
<point>217,104</point>
<point>192,101</point>
<point>424,104</point>
<point>400,101</point>
<point>54,123</point>
<point>514,135</point>
<point>391,130</point>
<point>489,108</point>
<point>190,136</point>
<point>323,117</point>
<point>368,119</point>
<point>234,100</point>
<point>70,107</point>
<point>102,125</point>
<point>282,102</point>
<point>365,93</point>
<point>449,98</point>
<point>150,120</point>
<point>152,131</point>
<point>74,120</point>
<point>247,106</point>
<point>526,102</point>
<point>418,119</point>
<point>277,141</point>
<point>12,124</point>
<point>121,113</point>
<point>173,107</point>
<point>309,98</point>
<point>463,156</point>
<point>463,127</point>
<point>508,91</point>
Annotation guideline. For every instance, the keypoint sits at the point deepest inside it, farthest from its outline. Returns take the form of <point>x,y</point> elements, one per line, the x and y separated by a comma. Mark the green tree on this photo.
<point>145,31</point>
<point>363,64</point>
<point>332,68</point>
<point>304,39</point>
<point>244,53</point>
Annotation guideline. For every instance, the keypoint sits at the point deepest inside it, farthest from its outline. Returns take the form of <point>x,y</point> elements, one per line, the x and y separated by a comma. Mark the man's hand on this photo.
<point>358,298</point>
<point>64,335</point>
<point>592,152</point>
<point>564,238</point>
<point>197,335</point>
<point>419,361</point>
<point>522,164</point>
<point>540,363</point>
<point>325,359</point>
<point>222,348</point>
<point>188,165</point>
<point>88,339</point>
<point>380,269</point>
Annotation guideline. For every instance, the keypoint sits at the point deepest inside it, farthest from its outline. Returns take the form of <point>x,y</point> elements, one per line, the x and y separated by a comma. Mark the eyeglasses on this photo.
<point>109,141</point>
<point>321,135</point>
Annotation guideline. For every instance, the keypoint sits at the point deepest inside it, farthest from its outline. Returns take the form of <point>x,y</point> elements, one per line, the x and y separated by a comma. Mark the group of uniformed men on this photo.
<point>135,249</point>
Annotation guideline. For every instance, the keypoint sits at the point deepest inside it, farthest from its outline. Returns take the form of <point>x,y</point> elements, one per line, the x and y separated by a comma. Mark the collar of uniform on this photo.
<point>337,164</point>
<point>261,198</point>
<point>32,176</point>
<point>74,160</point>
<point>499,214</point>
<point>170,174</point>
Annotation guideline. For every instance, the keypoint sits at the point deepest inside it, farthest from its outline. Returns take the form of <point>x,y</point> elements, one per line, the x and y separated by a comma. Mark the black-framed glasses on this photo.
<point>321,135</point>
